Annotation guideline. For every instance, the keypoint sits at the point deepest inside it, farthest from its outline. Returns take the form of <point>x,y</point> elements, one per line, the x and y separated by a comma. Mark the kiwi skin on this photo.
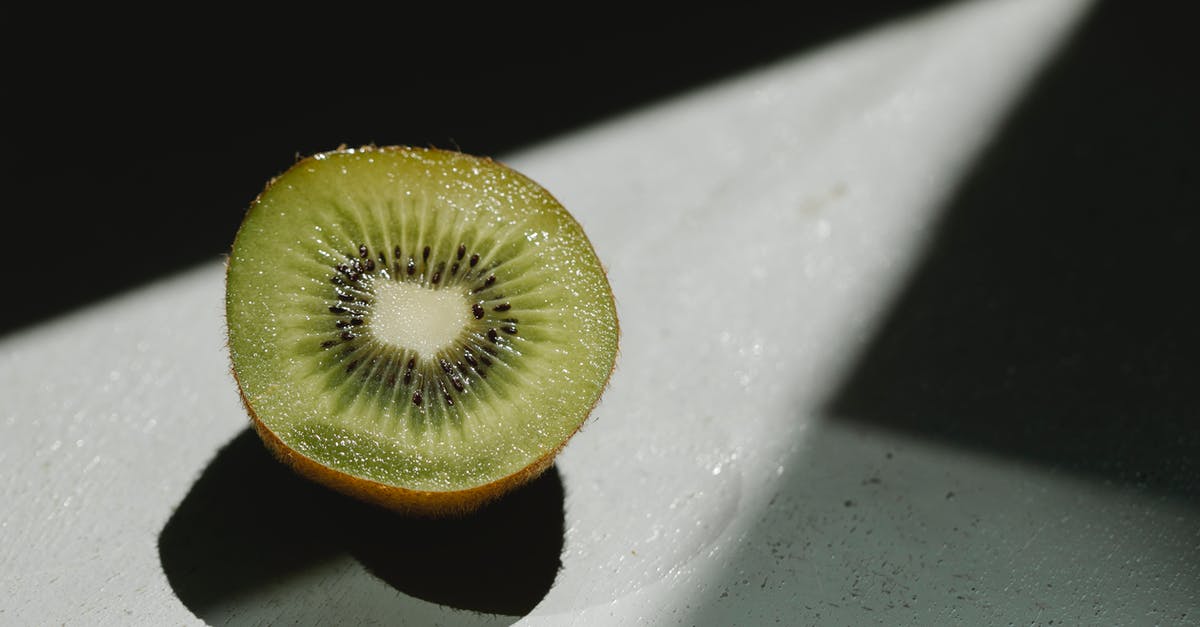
<point>402,500</point>
<point>420,503</point>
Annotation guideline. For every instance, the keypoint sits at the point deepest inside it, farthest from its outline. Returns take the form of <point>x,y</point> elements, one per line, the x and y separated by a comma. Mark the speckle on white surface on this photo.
<point>787,204</point>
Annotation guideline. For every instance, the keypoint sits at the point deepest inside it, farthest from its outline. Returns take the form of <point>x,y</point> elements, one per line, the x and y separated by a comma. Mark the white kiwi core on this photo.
<point>425,320</point>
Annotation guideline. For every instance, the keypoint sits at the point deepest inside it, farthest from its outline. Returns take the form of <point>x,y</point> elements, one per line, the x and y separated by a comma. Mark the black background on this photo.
<point>1055,315</point>
<point>137,140</point>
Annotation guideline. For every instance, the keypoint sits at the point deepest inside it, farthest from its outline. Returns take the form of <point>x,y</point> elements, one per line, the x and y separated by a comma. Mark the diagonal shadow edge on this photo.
<point>1125,372</point>
<point>173,159</point>
<point>1049,319</point>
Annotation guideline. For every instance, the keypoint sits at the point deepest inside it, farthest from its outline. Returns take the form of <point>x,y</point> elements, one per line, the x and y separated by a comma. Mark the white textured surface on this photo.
<point>787,205</point>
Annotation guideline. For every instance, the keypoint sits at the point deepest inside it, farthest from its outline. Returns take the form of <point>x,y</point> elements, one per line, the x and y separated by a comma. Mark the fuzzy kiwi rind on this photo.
<point>428,458</point>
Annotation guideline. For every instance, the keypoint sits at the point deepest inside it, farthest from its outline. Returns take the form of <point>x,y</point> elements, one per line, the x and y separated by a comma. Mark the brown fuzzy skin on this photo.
<point>403,500</point>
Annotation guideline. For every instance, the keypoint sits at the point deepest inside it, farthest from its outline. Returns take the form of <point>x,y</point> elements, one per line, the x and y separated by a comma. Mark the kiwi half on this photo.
<point>417,328</point>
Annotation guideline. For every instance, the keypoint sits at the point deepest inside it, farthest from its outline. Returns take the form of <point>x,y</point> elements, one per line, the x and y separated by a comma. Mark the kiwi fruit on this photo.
<point>418,328</point>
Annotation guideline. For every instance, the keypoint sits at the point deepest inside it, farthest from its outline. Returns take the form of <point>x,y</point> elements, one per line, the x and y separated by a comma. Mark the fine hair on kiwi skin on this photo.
<point>431,391</point>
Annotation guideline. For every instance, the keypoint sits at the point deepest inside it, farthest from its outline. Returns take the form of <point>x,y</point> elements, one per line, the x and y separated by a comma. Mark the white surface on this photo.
<point>753,231</point>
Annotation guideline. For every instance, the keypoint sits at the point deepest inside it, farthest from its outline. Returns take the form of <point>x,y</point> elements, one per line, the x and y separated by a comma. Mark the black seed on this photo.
<point>356,321</point>
<point>382,259</point>
<point>346,298</point>
<point>362,251</point>
<point>412,266</point>
<point>409,372</point>
<point>337,310</point>
<point>396,252</point>
<point>417,398</point>
<point>445,367</point>
<point>344,269</point>
<point>370,265</point>
<point>477,309</point>
<point>329,343</point>
<point>353,274</point>
<point>493,336</point>
<point>470,358</point>
<point>437,276</point>
<point>462,250</point>
<point>454,269</point>
<point>502,307</point>
<point>446,395</point>
<point>336,280</point>
<point>474,260</point>
<point>490,280</point>
<point>510,329</point>
<point>484,359</point>
<point>351,366</point>
<point>457,384</point>
<point>342,324</point>
<point>346,335</point>
<point>425,254</point>
<point>462,368</point>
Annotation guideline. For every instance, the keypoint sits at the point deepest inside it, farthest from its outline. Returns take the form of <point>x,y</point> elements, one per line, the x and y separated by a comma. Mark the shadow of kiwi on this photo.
<point>249,529</point>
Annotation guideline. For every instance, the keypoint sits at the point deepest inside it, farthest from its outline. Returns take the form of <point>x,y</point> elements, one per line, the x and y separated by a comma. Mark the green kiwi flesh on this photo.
<point>417,327</point>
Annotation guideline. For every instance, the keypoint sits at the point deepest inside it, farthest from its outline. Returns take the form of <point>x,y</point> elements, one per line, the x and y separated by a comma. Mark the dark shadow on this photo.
<point>133,150</point>
<point>249,522</point>
<point>1056,316</point>
<point>1053,320</point>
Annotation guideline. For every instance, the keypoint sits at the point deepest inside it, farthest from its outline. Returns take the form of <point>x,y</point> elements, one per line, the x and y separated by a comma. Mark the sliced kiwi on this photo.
<point>418,328</point>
